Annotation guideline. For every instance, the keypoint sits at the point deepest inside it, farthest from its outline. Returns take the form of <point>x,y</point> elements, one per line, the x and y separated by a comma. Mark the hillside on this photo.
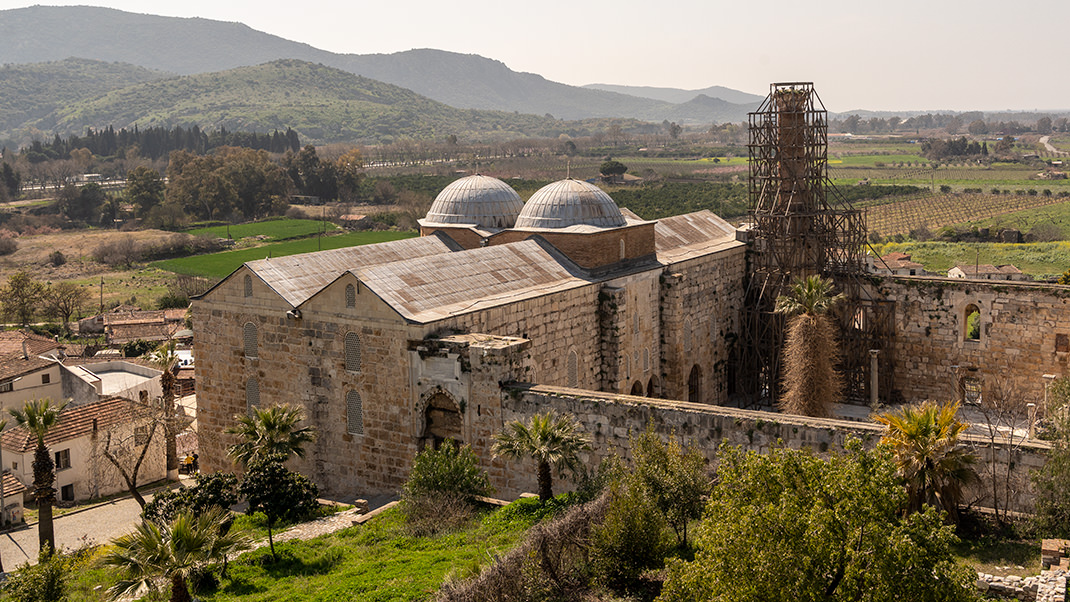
<point>189,46</point>
<point>677,95</point>
<point>29,93</point>
<point>321,103</point>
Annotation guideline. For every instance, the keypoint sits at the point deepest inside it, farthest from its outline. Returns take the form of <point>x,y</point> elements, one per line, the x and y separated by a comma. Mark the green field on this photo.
<point>218,265</point>
<point>1057,215</point>
<point>1040,260</point>
<point>275,230</point>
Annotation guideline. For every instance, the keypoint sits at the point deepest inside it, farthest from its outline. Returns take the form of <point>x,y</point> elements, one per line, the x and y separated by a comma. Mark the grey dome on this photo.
<point>481,200</point>
<point>569,203</point>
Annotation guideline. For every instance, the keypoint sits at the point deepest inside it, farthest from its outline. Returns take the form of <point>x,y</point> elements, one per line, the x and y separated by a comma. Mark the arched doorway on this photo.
<point>637,389</point>
<point>652,387</point>
<point>442,420</point>
<point>694,384</point>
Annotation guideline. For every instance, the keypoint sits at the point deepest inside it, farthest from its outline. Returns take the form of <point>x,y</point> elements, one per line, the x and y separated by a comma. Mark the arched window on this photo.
<point>972,323</point>
<point>248,285</point>
<point>635,323</point>
<point>573,369</point>
<point>351,295</point>
<point>354,414</point>
<point>622,248</point>
<point>687,334</point>
<point>637,389</point>
<point>352,352</point>
<point>249,337</point>
<point>694,384</point>
<point>646,359</point>
<point>252,394</point>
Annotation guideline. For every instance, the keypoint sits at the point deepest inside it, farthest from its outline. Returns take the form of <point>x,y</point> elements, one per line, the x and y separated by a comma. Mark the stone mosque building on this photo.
<point>391,347</point>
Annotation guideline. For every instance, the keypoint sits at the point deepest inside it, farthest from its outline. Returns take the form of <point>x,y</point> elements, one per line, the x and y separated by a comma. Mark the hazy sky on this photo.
<point>908,54</point>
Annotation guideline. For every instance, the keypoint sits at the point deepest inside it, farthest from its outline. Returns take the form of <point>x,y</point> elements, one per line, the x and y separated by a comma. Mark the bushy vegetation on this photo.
<point>217,489</point>
<point>443,485</point>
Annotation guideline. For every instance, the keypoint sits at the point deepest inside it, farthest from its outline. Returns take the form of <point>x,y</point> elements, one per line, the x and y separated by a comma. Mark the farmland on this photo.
<point>1041,260</point>
<point>936,211</point>
<point>269,230</point>
<point>218,265</point>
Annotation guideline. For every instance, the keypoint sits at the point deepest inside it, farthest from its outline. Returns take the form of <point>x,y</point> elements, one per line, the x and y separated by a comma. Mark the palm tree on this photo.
<point>924,439</point>
<point>38,416</point>
<point>811,353</point>
<point>270,430</point>
<point>153,553</point>
<point>550,439</point>
<point>164,358</point>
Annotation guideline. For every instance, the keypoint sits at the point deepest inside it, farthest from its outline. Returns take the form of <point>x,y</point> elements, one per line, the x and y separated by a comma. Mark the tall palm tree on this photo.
<point>152,553</point>
<point>552,440</point>
<point>811,382</point>
<point>270,430</point>
<point>924,439</point>
<point>38,416</point>
<point>164,358</point>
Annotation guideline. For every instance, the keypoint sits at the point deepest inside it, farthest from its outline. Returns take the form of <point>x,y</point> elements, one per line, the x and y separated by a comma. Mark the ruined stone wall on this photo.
<point>1025,334</point>
<point>611,421</point>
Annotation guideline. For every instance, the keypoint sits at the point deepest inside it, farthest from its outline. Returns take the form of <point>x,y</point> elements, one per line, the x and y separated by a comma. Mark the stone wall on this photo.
<point>611,420</point>
<point>1025,334</point>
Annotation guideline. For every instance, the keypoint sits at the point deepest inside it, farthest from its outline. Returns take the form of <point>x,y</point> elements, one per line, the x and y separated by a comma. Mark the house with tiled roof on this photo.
<point>24,341</point>
<point>25,377</point>
<point>80,442</point>
<point>14,495</point>
<point>898,264</point>
<point>987,271</point>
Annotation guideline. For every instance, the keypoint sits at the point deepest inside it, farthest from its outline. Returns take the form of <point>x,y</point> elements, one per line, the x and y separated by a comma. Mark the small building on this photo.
<point>28,343</point>
<point>78,442</point>
<point>25,377</point>
<point>987,271</point>
<point>14,494</point>
<point>898,264</point>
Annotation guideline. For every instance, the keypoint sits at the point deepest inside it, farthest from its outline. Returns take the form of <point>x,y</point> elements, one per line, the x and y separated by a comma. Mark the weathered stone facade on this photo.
<point>1024,335</point>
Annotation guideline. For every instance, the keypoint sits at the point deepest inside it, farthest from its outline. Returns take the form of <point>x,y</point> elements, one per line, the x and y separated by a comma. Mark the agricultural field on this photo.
<point>1055,218</point>
<point>937,211</point>
<point>269,230</point>
<point>218,265</point>
<point>1040,260</point>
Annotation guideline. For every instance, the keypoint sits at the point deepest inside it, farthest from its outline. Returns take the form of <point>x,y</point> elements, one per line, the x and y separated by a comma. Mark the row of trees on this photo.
<point>22,297</point>
<point>974,122</point>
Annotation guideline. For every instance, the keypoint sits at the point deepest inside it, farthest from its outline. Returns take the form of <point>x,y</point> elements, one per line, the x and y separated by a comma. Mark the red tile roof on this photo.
<point>987,268</point>
<point>12,486</point>
<point>76,421</point>
<point>13,365</point>
<point>11,341</point>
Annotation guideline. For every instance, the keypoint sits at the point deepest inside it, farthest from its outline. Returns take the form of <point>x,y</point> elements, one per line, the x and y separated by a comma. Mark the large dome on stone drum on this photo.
<point>481,200</point>
<point>569,203</point>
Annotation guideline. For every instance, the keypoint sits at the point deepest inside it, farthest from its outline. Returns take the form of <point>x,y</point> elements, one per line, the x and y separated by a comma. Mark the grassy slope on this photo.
<point>1056,215</point>
<point>281,229</point>
<point>1041,260</point>
<point>218,265</point>
<point>319,102</point>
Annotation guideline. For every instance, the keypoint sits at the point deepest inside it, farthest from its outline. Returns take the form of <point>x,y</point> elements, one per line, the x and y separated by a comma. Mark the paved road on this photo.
<point>95,525</point>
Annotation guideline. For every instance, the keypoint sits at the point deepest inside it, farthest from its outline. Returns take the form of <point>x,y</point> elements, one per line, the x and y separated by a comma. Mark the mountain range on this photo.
<point>162,46</point>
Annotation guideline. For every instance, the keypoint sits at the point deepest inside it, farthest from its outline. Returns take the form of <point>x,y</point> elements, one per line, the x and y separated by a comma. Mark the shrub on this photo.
<point>45,581</point>
<point>57,258</point>
<point>631,537</point>
<point>137,348</point>
<point>122,251</point>
<point>8,245</point>
<point>944,188</point>
<point>209,490</point>
<point>441,489</point>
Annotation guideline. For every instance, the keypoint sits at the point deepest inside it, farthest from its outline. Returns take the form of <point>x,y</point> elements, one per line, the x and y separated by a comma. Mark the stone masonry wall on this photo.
<point>1025,334</point>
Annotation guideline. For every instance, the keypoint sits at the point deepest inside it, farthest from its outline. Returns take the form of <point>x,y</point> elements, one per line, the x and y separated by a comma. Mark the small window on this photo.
<point>252,394</point>
<point>1062,343</point>
<point>622,248</point>
<point>46,378</point>
<point>573,369</point>
<point>635,323</point>
<point>8,386</point>
<point>141,435</point>
<point>249,333</point>
<point>248,285</point>
<point>972,317</point>
<point>971,389</point>
<point>351,295</point>
<point>66,493</point>
<point>354,414</point>
<point>14,466</point>
<point>646,359</point>
<point>63,459</point>
<point>352,352</point>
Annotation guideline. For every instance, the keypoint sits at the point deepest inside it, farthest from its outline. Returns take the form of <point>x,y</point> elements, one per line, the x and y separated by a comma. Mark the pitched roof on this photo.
<point>692,235</point>
<point>987,268</point>
<point>75,421</point>
<point>897,261</point>
<point>297,277</point>
<point>11,341</point>
<point>439,286</point>
<point>152,331</point>
<point>14,365</point>
<point>12,486</point>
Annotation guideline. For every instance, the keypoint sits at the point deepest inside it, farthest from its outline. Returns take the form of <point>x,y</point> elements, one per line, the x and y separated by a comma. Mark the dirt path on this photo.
<point>1051,149</point>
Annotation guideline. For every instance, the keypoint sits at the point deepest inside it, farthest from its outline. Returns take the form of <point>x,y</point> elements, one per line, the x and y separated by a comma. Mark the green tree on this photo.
<point>674,479</point>
<point>270,431</point>
<point>811,353</point>
<point>210,490</point>
<point>280,494</point>
<point>449,470</point>
<point>675,130</point>
<point>38,416</point>
<point>144,189</point>
<point>552,440</point>
<point>82,204</point>
<point>1052,481</point>
<point>63,300</point>
<point>21,297</point>
<point>231,180</point>
<point>613,168</point>
<point>924,441</point>
<point>171,553</point>
<point>788,526</point>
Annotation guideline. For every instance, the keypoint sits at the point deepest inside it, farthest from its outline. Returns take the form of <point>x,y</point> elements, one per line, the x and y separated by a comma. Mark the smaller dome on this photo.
<point>569,203</point>
<point>481,200</point>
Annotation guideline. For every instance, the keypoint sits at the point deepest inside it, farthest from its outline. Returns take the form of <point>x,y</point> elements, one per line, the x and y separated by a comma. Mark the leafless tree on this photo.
<point>127,442</point>
<point>1006,427</point>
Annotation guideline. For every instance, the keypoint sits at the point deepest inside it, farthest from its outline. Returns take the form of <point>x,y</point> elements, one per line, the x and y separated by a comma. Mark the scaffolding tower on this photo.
<point>795,231</point>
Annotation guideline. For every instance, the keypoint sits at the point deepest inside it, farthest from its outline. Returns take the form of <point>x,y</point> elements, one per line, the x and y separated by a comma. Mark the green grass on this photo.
<point>275,230</point>
<point>378,561</point>
<point>219,265</point>
<point>1041,260</point>
<point>872,160</point>
<point>998,556</point>
<point>1025,220</point>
